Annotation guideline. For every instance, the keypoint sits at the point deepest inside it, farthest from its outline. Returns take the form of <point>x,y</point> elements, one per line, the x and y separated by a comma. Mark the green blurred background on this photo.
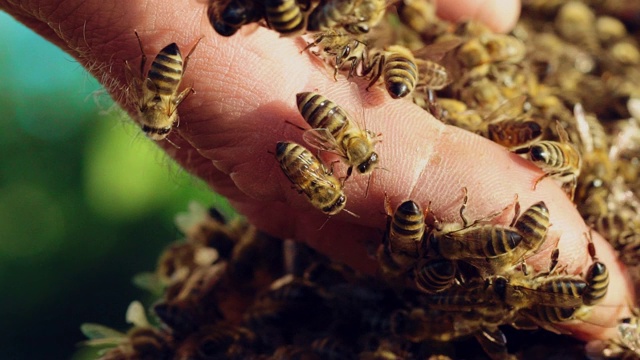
<point>86,202</point>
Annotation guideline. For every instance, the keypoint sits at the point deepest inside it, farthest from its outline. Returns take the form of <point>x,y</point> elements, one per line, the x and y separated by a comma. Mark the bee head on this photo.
<point>156,133</point>
<point>369,164</point>
<point>336,206</point>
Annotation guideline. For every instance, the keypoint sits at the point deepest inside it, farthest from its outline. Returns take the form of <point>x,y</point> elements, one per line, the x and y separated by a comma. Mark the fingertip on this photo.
<point>499,15</point>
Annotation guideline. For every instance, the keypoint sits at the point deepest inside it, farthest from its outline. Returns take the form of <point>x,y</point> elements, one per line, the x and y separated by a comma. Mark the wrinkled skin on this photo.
<point>246,86</point>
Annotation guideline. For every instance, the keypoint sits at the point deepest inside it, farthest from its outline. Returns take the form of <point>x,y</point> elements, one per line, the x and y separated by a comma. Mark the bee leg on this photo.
<point>516,212</point>
<point>290,123</point>
<point>181,97</point>
<point>572,189</point>
<point>186,59</point>
<point>590,247</point>
<point>143,60</point>
<point>331,166</point>
<point>535,184</point>
<point>555,255</point>
<point>378,60</point>
<point>349,171</point>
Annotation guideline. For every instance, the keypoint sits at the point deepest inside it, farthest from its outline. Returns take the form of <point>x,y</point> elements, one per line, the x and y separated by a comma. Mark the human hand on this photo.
<point>246,87</point>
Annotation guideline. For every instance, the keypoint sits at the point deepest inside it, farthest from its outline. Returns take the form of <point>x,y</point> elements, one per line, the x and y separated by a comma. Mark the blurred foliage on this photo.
<point>85,202</point>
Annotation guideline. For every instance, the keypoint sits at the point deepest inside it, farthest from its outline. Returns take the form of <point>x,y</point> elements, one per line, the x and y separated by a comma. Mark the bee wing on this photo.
<point>136,315</point>
<point>101,335</point>
<point>149,281</point>
<point>322,139</point>
<point>511,108</point>
<point>437,51</point>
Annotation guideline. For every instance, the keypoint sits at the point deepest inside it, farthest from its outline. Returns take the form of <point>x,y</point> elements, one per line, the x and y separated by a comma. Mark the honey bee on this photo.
<point>307,173</point>
<point>356,17</point>
<point>156,93</point>
<point>403,71</point>
<point>285,17</point>
<point>532,225</point>
<point>330,14</point>
<point>472,241</point>
<point>368,14</point>
<point>456,113</point>
<point>506,125</point>
<point>333,130</point>
<point>560,160</point>
<point>597,278</point>
<point>563,291</point>
<point>420,16</point>
<point>435,275</point>
<point>491,48</point>
<point>405,230</point>
<point>226,21</point>
<point>343,48</point>
<point>465,297</point>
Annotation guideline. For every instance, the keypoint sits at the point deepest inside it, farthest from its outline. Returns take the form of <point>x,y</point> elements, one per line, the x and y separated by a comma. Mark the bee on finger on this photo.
<point>402,242</point>
<point>227,18</point>
<point>156,93</point>
<point>560,160</point>
<point>597,277</point>
<point>285,16</point>
<point>356,17</point>
<point>333,130</point>
<point>404,70</point>
<point>477,240</point>
<point>343,48</point>
<point>306,172</point>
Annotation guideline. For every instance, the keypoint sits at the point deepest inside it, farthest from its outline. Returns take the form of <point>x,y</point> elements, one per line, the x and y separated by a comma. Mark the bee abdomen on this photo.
<point>553,314</point>
<point>567,292</point>
<point>598,283</point>
<point>400,75</point>
<point>284,16</point>
<point>166,70</point>
<point>533,224</point>
<point>435,276</point>
<point>321,112</point>
<point>503,241</point>
<point>408,221</point>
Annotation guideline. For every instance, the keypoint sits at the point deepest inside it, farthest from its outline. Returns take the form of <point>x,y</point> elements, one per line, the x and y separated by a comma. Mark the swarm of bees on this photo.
<point>561,90</point>
<point>229,291</point>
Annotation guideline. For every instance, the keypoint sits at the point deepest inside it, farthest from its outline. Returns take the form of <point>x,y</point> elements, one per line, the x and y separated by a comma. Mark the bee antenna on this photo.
<point>325,222</point>
<point>351,213</point>
<point>366,192</point>
<point>172,143</point>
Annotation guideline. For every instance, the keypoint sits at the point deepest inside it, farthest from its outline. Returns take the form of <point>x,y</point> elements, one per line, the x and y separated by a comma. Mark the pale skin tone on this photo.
<point>246,87</point>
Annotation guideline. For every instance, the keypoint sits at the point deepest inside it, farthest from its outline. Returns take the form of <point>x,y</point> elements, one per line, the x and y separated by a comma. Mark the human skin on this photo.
<point>245,95</point>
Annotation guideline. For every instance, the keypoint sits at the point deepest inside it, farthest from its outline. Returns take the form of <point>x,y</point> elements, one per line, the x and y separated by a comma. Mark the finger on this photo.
<point>500,15</point>
<point>239,114</point>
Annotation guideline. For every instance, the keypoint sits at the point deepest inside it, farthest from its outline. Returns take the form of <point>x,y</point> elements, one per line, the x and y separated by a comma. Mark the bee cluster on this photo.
<point>562,90</point>
<point>228,291</point>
